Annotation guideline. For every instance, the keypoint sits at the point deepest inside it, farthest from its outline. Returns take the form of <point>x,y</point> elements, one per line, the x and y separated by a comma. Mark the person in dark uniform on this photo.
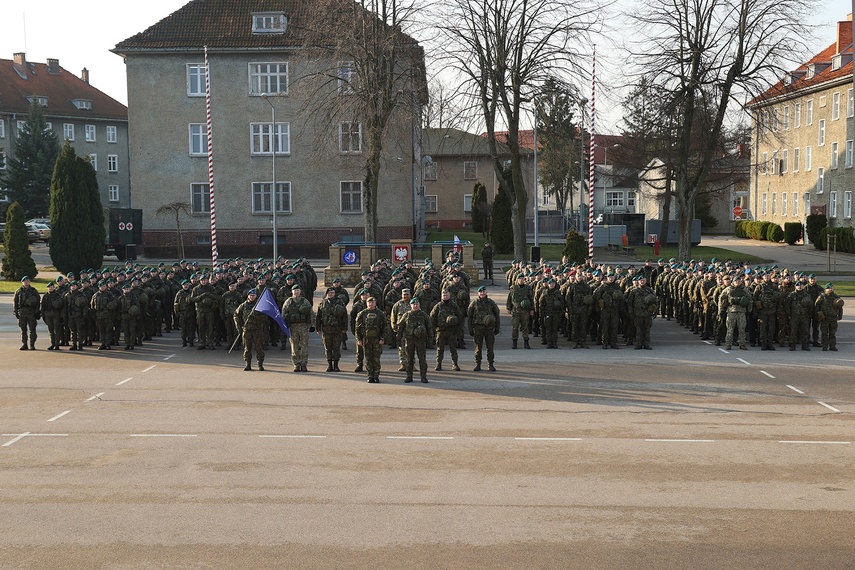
<point>370,333</point>
<point>417,328</point>
<point>53,305</point>
<point>27,310</point>
<point>487,260</point>
<point>252,326</point>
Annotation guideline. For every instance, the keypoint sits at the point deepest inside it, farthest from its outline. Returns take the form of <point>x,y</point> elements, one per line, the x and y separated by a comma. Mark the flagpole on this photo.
<point>214,253</point>
<point>591,157</point>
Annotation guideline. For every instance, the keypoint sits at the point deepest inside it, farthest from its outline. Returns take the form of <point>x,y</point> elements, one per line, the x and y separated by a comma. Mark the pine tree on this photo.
<point>28,176</point>
<point>18,260</point>
<point>502,235</point>
<point>77,219</point>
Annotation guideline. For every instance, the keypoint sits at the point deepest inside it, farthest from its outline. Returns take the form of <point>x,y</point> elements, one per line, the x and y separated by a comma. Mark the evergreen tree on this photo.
<point>480,209</point>
<point>575,247</point>
<point>77,219</point>
<point>502,235</point>
<point>28,176</point>
<point>18,260</point>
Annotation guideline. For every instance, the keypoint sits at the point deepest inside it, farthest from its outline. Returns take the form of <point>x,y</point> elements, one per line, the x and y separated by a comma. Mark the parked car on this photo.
<point>33,234</point>
<point>45,221</point>
<point>44,231</point>
<point>2,231</point>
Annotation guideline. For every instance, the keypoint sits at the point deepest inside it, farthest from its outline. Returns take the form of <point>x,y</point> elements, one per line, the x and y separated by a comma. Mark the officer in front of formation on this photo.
<point>484,319</point>
<point>28,311</point>
<point>370,334</point>
<point>417,328</point>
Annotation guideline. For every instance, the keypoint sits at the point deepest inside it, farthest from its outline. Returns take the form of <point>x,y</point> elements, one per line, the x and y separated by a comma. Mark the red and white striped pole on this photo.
<point>214,253</point>
<point>591,157</point>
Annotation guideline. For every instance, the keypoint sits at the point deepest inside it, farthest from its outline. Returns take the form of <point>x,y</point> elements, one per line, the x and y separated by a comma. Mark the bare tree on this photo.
<point>704,56</point>
<point>504,50</point>
<point>175,209</point>
<point>374,73</point>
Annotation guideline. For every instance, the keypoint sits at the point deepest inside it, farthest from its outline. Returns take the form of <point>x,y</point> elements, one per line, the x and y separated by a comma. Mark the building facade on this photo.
<point>95,124</point>
<point>259,68</point>
<point>803,135</point>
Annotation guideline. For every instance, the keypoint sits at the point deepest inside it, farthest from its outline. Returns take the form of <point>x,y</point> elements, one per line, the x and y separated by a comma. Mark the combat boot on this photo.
<point>344,345</point>
<point>408,379</point>
<point>298,368</point>
<point>424,379</point>
<point>330,366</point>
<point>477,367</point>
<point>335,366</point>
<point>514,341</point>
<point>248,366</point>
<point>438,366</point>
<point>261,365</point>
<point>455,367</point>
<point>490,367</point>
<point>358,367</point>
<point>526,344</point>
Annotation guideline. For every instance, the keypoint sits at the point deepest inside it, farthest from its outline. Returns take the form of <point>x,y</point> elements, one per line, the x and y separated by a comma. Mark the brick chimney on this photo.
<point>20,58</point>
<point>53,66</point>
<point>84,75</point>
<point>844,34</point>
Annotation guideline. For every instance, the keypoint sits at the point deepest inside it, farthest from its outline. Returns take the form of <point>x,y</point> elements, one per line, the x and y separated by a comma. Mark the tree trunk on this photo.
<point>519,210</point>
<point>372,184</point>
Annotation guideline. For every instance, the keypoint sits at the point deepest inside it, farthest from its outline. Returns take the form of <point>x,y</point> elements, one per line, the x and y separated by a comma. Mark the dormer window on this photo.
<point>836,62</point>
<point>82,104</point>
<point>811,71</point>
<point>269,23</point>
<point>39,100</point>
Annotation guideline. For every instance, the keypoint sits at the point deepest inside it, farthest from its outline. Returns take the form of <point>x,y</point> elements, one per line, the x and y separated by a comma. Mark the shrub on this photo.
<point>814,226</point>
<point>575,247</point>
<point>774,233</point>
<point>792,232</point>
<point>845,239</point>
<point>18,259</point>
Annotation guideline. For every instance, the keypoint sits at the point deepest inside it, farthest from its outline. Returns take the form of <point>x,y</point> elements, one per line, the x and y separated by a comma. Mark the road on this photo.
<point>686,456</point>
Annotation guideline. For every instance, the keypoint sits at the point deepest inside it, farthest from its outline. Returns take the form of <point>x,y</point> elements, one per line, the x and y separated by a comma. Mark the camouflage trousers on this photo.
<point>373,350</point>
<point>520,322</point>
<point>253,339</point>
<point>299,343</point>
<point>736,323</point>
<point>484,336</point>
<point>443,337</point>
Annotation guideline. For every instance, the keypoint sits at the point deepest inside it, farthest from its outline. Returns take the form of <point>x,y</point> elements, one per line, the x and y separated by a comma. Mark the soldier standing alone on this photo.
<point>370,332</point>
<point>26,303</point>
<point>483,327</point>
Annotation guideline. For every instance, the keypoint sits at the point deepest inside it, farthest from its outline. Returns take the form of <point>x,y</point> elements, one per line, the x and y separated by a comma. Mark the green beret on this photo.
<point>829,285</point>
<point>482,288</point>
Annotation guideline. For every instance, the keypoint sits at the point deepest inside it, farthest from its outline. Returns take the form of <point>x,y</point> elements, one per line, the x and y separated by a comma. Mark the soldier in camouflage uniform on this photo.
<point>185,310</point>
<point>104,305</point>
<point>53,305</point>
<point>329,320</point>
<point>735,301</point>
<point>252,325</point>
<point>799,305</point>
<point>521,308</point>
<point>484,325</point>
<point>360,303</point>
<point>297,312</point>
<point>27,307</point>
<point>417,328</point>
<point>447,319</point>
<point>229,302</point>
<point>129,311</point>
<point>766,300</point>
<point>399,308</point>
<point>642,304</point>
<point>370,333</point>
<point>78,305</point>
<point>551,307</point>
<point>609,299</point>
<point>829,310</point>
<point>206,299</point>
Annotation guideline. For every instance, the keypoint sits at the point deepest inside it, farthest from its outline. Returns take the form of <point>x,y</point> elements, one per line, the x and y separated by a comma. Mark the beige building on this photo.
<point>258,67</point>
<point>802,130</point>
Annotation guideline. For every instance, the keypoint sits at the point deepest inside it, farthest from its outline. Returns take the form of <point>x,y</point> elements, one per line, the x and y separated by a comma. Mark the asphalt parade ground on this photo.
<point>686,456</point>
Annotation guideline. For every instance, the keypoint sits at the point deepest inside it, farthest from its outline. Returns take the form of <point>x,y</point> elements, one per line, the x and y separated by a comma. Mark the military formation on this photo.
<point>410,311</point>
<point>732,304</point>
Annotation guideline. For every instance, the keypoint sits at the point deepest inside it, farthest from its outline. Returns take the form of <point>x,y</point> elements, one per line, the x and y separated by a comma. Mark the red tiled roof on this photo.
<point>60,87</point>
<point>843,45</point>
<point>228,24</point>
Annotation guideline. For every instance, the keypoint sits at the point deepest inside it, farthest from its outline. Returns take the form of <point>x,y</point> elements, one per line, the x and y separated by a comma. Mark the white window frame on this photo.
<point>850,103</point>
<point>847,205</point>
<point>268,78</point>
<point>263,139</point>
<point>835,156</point>
<point>91,134</point>
<point>764,201</point>
<point>431,203</point>
<point>269,23</point>
<point>197,139</point>
<point>785,161</point>
<point>470,170</point>
<point>797,115</point>
<point>835,106</point>
<point>351,189</point>
<point>113,193</point>
<point>93,159</point>
<point>350,137</point>
<point>200,198</point>
<point>808,158</point>
<point>346,77</point>
<point>776,120</point>
<point>774,203</point>
<point>2,128</point>
<point>821,133</point>
<point>796,158</point>
<point>430,171</point>
<point>849,154</point>
<point>783,204</point>
<point>832,204</point>
<point>764,164</point>
<point>112,163</point>
<point>196,80</point>
<point>68,131</point>
<point>615,199</point>
<point>112,134</point>
<point>820,180</point>
<point>795,204</point>
<point>786,118</point>
<point>20,126</point>
<point>467,203</point>
<point>262,198</point>
<point>809,112</point>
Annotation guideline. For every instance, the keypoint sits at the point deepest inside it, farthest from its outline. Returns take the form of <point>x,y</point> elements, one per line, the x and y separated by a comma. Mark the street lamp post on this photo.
<point>273,192</point>
<point>582,102</point>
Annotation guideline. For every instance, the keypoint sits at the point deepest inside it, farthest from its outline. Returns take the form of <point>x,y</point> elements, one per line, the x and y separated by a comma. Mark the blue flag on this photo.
<point>267,306</point>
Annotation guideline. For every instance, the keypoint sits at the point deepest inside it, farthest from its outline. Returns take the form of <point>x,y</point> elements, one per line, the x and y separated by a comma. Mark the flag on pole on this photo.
<point>267,306</point>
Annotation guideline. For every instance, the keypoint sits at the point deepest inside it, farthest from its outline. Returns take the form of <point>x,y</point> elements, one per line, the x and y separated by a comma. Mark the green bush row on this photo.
<point>766,231</point>
<point>845,239</point>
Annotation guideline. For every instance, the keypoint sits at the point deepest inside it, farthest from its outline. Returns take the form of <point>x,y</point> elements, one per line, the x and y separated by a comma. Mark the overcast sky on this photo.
<point>81,35</point>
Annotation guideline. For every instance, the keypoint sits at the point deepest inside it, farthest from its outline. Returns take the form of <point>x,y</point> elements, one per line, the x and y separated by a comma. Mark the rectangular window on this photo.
<point>797,115</point>
<point>90,133</point>
<point>112,163</point>
<point>847,204</point>
<point>195,79</point>
<point>785,160</point>
<point>776,120</point>
<point>783,203</point>
<point>198,139</point>
<point>68,131</point>
<point>113,192</point>
<point>795,204</point>
<point>614,200</point>
<point>2,128</point>
<point>820,180</point>
<point>796,159</point>
<point>835,106</point>
<point>351,197</point>
<point>350,137</point>
<point>262,198</point>
<point>200,198</point>
<point>786,117</point>
<point>764,164</point>
<point>832,204</point>
<point>470,170</point>
<point>263,139</point>
<point>821,133</point>
<point>430,171</point>
<point>808,158</point>
<point>834,156</point>
<point>763,203</point>
<point>775,163</point>
<point>809,112</point>
<point>93,159</point>
<point>467,203</point>
<point>849,156</point>
<point>774,203</point>
<point>112,134</point>
<point>269,23</point>
<point>850,103</point>
<point>431,203</point>
<point>823,101</point>
<point>268,78</point>
<point>20,125</point>
<point>346,77</point>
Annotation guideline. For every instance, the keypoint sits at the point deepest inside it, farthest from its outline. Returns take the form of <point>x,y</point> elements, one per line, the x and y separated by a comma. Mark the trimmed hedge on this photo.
<point>792,232</point>
<point>845,239</point>
<point>814,226</point>
<point>765,231</point>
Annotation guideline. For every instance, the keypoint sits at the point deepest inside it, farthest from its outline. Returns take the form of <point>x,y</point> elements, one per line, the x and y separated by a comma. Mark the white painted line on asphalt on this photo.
<point>123,381</point>
<point>724,351</point>
<point>295,436</point>
<point>163,435</point>
<point>56,417</point>
<point>150,367</point>
<point>794,389</point>
<point>818,442</point>
<point>167,358</point>
<point>832,408</point>
<point>417,437</point>
<point>95,397</point>
<point>548,438</point>
<point>681,440</point>
<point>18,438</point>
<point>708,342</point>
<point>744,362</point>
<point>767,374</point>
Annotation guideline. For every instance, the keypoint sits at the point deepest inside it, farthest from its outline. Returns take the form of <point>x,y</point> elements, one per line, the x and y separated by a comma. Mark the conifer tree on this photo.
<point>502,235</point>
<point>480,209</point>
<point>18,260</point>
<point>77,219</point>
